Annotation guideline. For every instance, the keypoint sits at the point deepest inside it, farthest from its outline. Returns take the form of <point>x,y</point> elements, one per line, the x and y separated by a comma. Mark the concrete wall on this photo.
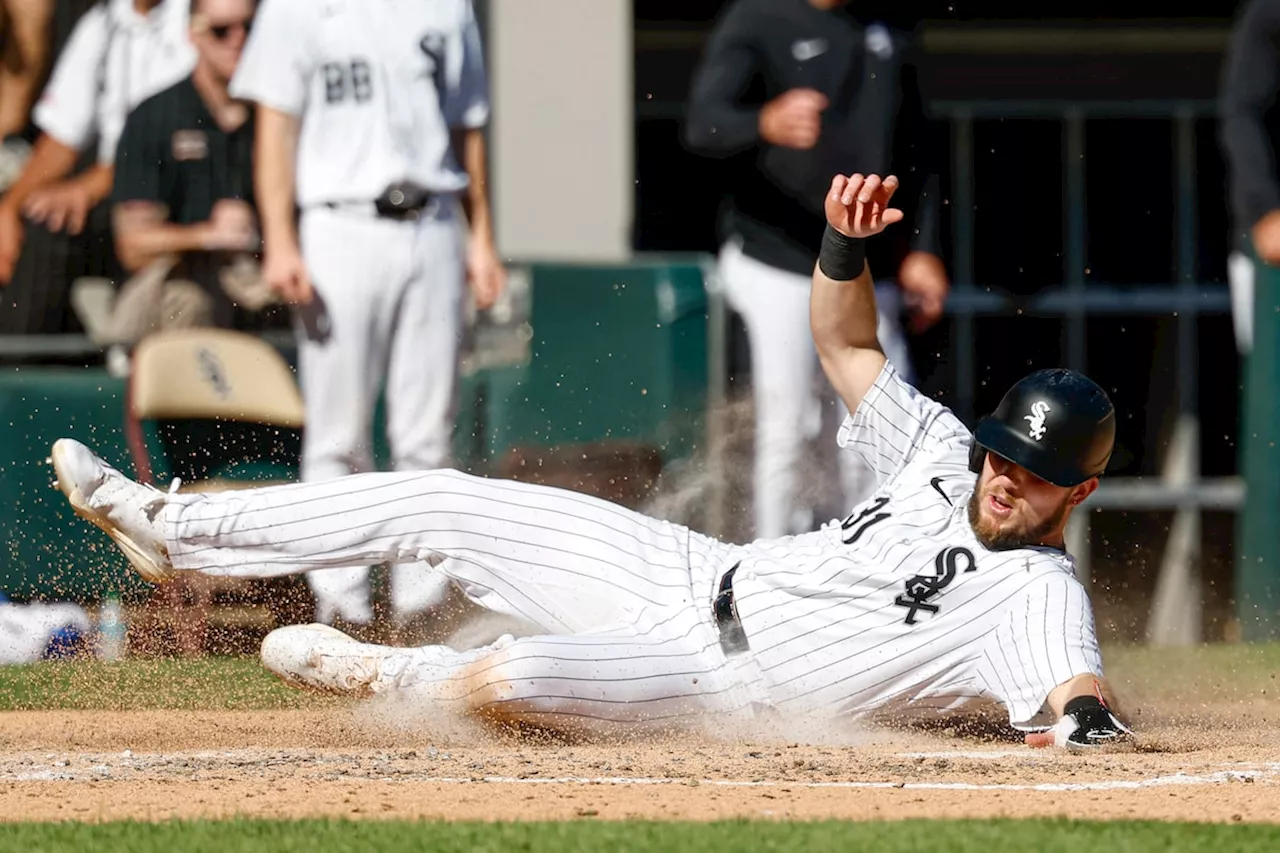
<point>563,129</point>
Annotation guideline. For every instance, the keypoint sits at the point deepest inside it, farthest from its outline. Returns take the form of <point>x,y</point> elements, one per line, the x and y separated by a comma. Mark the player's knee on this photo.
<point>515,685</point>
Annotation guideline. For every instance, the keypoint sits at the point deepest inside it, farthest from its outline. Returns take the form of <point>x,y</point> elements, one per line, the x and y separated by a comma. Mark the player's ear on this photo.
<point>1082,491</point>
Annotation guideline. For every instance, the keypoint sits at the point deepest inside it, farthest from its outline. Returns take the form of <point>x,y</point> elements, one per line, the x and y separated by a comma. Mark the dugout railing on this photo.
<point>1175,617</point>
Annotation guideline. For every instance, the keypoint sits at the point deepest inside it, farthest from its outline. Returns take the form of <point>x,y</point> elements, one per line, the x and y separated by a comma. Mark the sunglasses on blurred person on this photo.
<point>223,31</point>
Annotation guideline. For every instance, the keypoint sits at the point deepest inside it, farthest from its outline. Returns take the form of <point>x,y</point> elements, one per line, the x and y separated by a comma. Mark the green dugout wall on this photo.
<point>614,353</point>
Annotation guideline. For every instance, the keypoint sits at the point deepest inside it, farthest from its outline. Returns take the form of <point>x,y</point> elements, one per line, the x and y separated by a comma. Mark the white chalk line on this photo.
<point>1178,779</point>
<point>1107,785</point>
<point>994,753</point>
<point>1265,776</point>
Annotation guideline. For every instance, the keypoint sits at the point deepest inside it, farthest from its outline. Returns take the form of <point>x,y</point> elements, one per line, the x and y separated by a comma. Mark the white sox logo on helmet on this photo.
<point>1039,410</point>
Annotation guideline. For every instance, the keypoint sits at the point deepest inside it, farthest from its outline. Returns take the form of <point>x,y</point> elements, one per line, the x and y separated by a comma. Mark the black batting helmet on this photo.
<point>1058,424</point>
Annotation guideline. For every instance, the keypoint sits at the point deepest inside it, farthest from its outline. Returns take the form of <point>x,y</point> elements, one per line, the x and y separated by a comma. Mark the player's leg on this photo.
<point>665,674</point>
<point>422,374</point>
<point>1240,277</point>
<point>774,305</point>
<point>424,350</point>
<point>560,560</point>
<point>339,373</point>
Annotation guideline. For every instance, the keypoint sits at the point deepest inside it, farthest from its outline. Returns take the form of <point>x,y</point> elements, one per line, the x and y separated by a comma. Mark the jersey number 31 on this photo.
<point>853,527</point>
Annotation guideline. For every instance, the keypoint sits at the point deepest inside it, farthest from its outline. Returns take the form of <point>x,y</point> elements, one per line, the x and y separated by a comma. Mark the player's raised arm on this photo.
<point>842,305</point>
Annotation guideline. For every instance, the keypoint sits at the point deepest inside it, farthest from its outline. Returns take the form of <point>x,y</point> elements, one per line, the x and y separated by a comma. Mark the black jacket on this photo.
<point>1249,116</point>
<point>875,123</point>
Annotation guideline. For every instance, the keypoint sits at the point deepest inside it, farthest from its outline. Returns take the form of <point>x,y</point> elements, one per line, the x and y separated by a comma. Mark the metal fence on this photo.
<point>1175,616</point>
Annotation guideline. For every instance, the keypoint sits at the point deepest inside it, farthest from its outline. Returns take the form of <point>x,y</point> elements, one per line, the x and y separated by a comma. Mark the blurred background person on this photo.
<point>370,122</point>
<point>25,45</point>
<point>183,211</point>
<point>55,220</point>
<point>1248,125</point>
<point>800,90</point>
<point>186,229</point>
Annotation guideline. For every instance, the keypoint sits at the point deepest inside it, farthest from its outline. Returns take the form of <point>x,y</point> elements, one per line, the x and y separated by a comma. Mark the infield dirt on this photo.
<point>1210,761</point>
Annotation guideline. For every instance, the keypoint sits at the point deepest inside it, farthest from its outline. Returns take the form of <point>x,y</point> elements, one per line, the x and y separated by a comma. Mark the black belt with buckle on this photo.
<point>404,200</point>
<point>732,638</point>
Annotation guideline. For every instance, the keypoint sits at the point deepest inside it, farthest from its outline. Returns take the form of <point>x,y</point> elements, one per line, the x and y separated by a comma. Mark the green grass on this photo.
<point>1223,672</point>
<point>1043,836</point>
<point>215,683</point>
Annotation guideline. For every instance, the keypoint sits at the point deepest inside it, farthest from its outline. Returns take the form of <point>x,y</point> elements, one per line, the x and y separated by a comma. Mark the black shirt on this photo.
<point>173,152</point>
<point>874,123</point>
<point>1249,114</point>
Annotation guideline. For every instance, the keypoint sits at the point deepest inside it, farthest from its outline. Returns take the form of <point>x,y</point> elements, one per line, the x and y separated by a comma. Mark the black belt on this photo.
<point>409,214</point>
<point>732,638</point>
<point>401,202</point>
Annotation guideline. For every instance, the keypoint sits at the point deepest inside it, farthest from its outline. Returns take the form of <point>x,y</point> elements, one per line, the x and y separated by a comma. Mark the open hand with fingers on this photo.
<point>858,206</point>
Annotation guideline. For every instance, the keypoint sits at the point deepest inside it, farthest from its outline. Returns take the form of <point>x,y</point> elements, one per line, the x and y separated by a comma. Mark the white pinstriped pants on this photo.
<point>625,600</point>
<point>389,308</point>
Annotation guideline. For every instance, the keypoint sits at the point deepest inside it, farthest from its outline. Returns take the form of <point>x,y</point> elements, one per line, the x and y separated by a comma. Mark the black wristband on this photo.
<point>1082,703</point>
<point>842,258</point>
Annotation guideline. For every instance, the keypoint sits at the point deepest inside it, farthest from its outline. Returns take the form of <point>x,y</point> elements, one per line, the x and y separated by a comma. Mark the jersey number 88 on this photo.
<point>343,81</point>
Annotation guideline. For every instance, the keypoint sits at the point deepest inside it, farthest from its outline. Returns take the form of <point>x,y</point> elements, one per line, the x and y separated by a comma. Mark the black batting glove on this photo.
<point>1088,724</point>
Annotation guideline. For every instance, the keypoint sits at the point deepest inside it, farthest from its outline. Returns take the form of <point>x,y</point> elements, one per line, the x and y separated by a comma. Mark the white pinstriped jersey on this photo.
<point>899,605</point>
<point>378,86</point>
<point>115,58</point>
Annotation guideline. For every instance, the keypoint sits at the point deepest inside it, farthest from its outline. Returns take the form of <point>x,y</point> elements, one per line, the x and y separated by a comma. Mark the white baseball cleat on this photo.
<point>318,657</point>
<point>322,658</point>
<point>126,511</point>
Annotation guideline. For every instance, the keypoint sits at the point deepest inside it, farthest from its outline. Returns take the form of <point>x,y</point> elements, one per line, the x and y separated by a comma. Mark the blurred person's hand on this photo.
<point>61,206</point>
<point>793,119</point>
<point>285,272</point>
<point>1266,237</point>
<point>232,227</point>
<point>485,273</point>
<point>11,234</point>
<point>924,283</point>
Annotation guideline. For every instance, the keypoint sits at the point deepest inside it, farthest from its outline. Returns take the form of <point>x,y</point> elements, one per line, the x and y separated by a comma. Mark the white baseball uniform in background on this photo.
<point>114,60</point>
<point>794,402</point>
<point>896,607</point>
<point>378,86</point>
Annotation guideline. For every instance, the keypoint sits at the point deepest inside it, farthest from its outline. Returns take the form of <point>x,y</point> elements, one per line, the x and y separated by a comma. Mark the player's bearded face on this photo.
<point>1011,507</point>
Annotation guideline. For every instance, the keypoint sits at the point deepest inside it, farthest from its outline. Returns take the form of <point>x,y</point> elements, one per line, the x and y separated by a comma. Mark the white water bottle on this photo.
<point>112,631</point>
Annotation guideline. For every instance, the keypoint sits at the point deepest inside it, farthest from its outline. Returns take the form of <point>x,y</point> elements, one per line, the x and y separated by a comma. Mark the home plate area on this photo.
<point>159,765</point>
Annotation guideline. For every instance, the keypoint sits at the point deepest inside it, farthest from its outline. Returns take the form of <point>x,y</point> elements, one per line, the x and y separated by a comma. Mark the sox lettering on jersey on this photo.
<point>921,588</point>
<point>432,47</point>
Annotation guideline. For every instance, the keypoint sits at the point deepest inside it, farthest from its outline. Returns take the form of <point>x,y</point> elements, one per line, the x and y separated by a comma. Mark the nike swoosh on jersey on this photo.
<point>936,482</point>
<point>803,51</point>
